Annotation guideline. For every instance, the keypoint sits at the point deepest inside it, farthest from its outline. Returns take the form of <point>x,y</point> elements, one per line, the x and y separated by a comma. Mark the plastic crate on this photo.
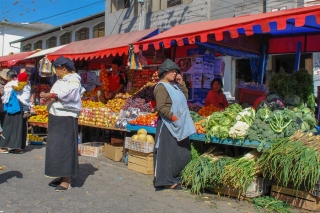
<point>139,146</point>
<point>257,188</point>
<point>91,149</point>
<point>249,96</point>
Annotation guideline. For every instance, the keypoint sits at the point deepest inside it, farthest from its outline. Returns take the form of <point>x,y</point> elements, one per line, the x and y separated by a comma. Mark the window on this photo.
<point>65,38</point>
<point>51,42</point>
<point>82,34</point>
<point>37,45</point>
<point>171,3</point>
<point>26,48</point>
<point>98,30</point>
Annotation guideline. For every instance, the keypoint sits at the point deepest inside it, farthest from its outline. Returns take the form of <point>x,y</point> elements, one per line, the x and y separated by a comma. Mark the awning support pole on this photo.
<point>298,55</point>
<point>262,64</point>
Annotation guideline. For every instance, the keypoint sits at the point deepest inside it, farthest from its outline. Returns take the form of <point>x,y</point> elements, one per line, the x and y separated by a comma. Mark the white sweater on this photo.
<point>69,101</point>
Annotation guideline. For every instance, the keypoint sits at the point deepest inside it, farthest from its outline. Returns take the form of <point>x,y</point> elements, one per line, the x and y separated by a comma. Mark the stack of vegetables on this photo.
<point>218,124</point>
<point>207,110</point>
<point>213,170</point>
<point>270,125</point>
<point>293,161</point>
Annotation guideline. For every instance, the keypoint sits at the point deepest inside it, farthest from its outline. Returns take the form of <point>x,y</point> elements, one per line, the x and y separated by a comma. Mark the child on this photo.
<point>23,91</point>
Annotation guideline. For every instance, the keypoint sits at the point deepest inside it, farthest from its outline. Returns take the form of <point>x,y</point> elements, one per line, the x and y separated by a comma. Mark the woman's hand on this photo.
<point>179,79</point>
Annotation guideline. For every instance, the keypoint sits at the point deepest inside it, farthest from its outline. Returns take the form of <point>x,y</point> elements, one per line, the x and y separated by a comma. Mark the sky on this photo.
<point>54,12</point>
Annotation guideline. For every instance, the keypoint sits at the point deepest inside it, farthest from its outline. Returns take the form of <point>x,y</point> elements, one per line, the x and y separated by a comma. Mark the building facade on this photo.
<point>10,31</point>
<point>86,28</point>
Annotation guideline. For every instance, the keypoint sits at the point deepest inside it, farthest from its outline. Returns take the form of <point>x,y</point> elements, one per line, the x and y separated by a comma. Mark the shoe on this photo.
<point>61,188</point>
<point>55,183</point>
<point>4,150</point>
<point>16,151</point>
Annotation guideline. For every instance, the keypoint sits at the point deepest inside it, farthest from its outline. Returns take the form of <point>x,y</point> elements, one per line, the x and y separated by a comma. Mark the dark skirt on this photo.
<point>170,158</point>
<point>14,131</point>
<point>62,147</point>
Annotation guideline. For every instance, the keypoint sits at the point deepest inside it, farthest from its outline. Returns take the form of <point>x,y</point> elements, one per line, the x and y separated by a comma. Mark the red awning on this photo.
<point>10,60</point>
<point>100,47</point>
<point>243,24</point>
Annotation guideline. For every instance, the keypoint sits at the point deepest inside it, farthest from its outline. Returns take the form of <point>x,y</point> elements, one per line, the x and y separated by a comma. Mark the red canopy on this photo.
<point>243,24</point>
<point>100,47</point>
<point>10,60</point>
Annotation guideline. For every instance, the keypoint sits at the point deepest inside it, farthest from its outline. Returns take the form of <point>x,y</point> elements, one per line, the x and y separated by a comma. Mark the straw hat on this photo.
<point>3,73</point>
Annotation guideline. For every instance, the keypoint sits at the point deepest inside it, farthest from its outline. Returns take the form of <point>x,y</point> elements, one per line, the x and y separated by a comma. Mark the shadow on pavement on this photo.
<point>7,175</point>
<point>30,147</point>
<point>85,170</point>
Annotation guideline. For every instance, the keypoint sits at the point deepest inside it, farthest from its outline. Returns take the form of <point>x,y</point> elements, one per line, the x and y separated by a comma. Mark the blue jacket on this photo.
<point>13,106</point>
<point>183,127</point>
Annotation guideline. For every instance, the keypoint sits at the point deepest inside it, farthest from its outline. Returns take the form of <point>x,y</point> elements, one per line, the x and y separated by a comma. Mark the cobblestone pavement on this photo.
<point>103,186</point>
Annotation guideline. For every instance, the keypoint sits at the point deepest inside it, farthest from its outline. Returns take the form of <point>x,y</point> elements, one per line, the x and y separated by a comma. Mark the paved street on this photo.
<point>102,186</point>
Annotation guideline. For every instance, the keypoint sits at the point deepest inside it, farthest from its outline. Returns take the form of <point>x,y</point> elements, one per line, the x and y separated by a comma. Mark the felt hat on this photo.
<point>62,61</point>
<point>3,73</point>
<point>168,65</point>
<point>23,77</point>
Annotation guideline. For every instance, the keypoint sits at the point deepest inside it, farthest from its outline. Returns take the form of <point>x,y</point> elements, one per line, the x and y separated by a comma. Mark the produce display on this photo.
<point>104,79</point>
<point>41,114</point>
<point>34,138</point>
<point>41,88</point>
<point>146,120</point>
<point>196,117</point>
<point>200,126</point>
<point>91,93</point>
<point>138,103</point>
<point>143,136</point>
<point>116,104</point>
<point>100,117</point>
<point>146,92</point>
<point>122,95</point>
<point>218,124</point>
<point>290,86</point>
<point>207,110</point>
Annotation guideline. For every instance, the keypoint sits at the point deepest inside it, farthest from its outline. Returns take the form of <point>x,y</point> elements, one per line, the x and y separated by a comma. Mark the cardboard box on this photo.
<point>113,152</point>
<point>117,141</point>
<point>91,149</point>
<point>141,162</point>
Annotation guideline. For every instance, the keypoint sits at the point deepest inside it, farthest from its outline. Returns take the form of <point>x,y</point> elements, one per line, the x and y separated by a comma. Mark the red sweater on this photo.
<point>218,100</point>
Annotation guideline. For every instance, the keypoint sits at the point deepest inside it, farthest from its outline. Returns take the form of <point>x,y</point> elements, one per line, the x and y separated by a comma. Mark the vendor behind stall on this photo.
<point>215,95</point>
<point>117,82</point>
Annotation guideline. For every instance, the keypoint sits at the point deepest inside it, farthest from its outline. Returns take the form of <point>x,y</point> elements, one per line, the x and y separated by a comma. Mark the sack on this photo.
<point>46,69</point>
<point>13,106</point>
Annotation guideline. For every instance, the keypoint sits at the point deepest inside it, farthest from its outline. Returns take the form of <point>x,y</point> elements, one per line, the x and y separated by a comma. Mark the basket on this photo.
<point>258,187</point>
<point>249,96</point>
<point>144,147</point>
<point>36,142</point>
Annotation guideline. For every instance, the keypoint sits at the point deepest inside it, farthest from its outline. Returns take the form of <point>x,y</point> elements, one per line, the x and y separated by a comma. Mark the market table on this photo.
<point>202,137</point>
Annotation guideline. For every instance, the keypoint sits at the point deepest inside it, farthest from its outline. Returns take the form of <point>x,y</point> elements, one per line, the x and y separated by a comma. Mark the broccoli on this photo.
<point>291,129</point>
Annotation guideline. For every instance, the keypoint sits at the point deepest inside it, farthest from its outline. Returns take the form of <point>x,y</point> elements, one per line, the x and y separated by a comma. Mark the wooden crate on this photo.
<point>297,198</point>
<point>141,162</point>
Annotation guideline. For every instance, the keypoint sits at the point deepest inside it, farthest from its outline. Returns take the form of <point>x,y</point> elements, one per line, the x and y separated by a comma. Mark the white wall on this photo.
<point>90,24</point>
<point>11,33</point>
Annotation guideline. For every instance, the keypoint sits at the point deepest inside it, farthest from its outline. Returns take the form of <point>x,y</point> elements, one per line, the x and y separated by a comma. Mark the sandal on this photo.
<point>55,183</point>
<point>62,188</point>
<point>4,150</point>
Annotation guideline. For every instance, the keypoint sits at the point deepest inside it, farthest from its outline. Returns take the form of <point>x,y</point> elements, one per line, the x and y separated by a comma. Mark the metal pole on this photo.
<point>264,3</point>
<point>298,54</point>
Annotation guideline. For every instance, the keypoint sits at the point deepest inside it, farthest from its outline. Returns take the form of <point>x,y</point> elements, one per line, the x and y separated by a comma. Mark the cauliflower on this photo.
<point>239,130</point>
<point>247,115</point>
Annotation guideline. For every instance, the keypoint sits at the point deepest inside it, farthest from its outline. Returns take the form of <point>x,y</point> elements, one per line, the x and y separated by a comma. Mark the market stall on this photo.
<point>287,126</point>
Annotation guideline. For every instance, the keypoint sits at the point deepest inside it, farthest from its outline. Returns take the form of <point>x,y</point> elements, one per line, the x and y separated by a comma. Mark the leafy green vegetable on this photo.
<point>263,113</point>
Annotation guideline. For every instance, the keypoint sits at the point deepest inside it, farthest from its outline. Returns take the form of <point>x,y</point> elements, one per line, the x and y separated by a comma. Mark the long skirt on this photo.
<point>14,131</point>
<point>62,147</point>
<point>170,158</point>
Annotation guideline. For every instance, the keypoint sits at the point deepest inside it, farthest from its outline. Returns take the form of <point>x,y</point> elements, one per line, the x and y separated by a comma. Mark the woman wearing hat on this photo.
<point>215,95</point>
<point>64,106</point>
<point>172,149</point>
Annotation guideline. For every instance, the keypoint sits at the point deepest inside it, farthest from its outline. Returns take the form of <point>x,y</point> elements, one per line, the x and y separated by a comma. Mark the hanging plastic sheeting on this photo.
<point>46,69</point>
<point>137,61</point>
